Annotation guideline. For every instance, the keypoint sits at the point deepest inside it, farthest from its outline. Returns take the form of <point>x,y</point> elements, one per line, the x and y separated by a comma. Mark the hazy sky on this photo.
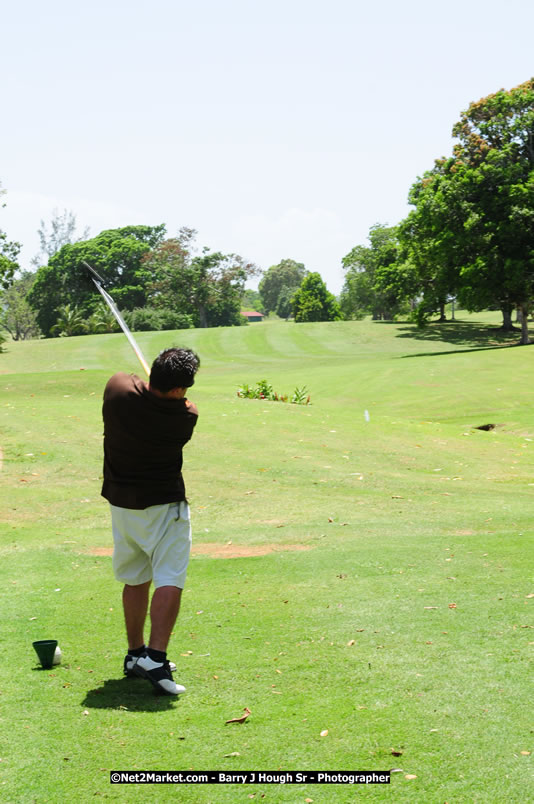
<point>276,129</point>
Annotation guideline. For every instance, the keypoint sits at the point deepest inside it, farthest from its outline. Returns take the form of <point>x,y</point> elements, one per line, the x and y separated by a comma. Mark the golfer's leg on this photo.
<point>164,610</point>
<point>135,604</point>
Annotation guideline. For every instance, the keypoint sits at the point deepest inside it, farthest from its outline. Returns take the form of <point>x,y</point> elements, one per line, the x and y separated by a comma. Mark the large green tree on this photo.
<point>313,302</point>
<point>431,241</point>
<point>286,276</point>
<point>116,254</point>
<point>472,230</point>
<point>207,286</point>
<point>375,283</point>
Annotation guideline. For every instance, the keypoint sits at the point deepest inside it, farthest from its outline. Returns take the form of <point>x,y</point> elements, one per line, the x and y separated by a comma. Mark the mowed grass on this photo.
<point>405,625</point>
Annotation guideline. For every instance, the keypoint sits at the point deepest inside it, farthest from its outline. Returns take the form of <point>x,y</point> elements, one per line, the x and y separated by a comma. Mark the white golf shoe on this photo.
<point>159,674</point>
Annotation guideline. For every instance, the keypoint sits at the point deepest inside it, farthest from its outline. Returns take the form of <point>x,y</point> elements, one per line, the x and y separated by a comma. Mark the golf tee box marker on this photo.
<point>45,650</point>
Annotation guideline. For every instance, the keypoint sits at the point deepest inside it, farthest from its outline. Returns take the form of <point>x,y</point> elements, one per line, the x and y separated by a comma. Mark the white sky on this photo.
<point>281,128</point>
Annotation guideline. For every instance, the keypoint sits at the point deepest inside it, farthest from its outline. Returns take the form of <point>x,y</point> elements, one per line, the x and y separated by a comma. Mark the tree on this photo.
<point>60,232</point>
<point>496,155</point>
<point>17,317</point>
<point>286,274</point>
<point>284,305</point>
<point>9,252</point>
<point>373,284</point>
<point>208,287</point>
<point>430,239</point>
<point>116,254</point>
<point>473,224</point>
<point>251,300</point>
<point>70,321</point>
<point>102,320</point>
<point>313,302</point>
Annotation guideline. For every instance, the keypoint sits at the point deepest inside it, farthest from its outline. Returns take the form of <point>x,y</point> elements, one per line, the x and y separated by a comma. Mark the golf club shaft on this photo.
<point>111,304</point>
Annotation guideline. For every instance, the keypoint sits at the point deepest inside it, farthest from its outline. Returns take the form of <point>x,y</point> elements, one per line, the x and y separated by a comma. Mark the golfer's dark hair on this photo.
<point>174,368</point>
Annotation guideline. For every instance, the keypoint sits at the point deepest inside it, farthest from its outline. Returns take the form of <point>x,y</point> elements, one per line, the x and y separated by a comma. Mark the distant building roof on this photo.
<point>249,313</point>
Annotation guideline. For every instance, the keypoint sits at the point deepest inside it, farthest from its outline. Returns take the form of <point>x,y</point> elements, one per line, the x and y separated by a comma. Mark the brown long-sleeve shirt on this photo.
<point>143,439</point>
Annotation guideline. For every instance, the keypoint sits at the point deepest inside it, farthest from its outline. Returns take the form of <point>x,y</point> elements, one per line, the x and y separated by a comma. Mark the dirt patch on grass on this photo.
<point>216,550</point>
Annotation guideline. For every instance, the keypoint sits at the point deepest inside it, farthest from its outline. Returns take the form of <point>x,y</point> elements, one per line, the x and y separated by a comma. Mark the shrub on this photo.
<point>264,390</point>
<point>143,319</point>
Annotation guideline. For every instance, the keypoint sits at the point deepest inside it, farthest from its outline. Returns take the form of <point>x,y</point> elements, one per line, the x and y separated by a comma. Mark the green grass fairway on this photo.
<point>383,587</point>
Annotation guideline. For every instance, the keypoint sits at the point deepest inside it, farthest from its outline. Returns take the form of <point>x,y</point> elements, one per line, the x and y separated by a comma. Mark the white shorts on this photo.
<point>151,544</point>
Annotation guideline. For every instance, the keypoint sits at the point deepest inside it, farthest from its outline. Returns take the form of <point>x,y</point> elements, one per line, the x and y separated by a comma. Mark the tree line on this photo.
<point>469,237</point>
<point>470,234</point>
<point>156,281</point>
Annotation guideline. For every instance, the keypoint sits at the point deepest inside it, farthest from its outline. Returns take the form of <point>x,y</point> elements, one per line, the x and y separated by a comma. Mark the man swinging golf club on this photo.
<point>145,429</point>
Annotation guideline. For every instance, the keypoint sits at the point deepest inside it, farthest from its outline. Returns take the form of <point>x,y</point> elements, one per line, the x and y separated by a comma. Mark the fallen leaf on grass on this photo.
<point>324,733</point>
<point>352,642</point>
<point>452,605</point>
<point>85,712</point>
<point>233,754</point>
<point>526,753</point>
<point>241,719</point>
<point>396,753</point>
<point>531,595</point>
<point>410,776</point>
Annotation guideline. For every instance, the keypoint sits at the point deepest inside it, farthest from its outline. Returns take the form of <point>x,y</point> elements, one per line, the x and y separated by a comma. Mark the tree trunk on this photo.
<point>442,316</point>
<point>506,310</point>
<point>203,316</point>
<point>524,325</point>
<point>519,315</point>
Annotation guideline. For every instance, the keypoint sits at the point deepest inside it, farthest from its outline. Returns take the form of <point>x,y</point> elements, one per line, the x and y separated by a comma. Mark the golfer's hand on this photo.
<point>191,407</point>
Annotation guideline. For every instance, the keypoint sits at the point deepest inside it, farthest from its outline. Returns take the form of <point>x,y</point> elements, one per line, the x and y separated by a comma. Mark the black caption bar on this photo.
<point>250,777</point>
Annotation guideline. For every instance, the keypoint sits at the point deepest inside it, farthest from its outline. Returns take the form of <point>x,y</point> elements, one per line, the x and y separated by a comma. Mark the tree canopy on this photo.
<point>116,254</point>
<point>207,286</point>
<point>374,282</point>
<point>470,233</point>
<point>313,302</point>
<point>281,279</point>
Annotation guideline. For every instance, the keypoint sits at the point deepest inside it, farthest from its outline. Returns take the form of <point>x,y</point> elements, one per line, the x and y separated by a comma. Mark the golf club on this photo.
<point>98,281</point>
